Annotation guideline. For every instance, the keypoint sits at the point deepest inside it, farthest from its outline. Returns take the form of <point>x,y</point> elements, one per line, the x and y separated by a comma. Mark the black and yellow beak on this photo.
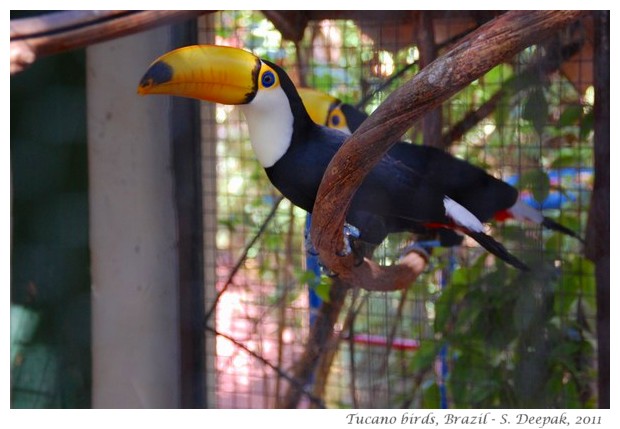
<point>212,73</point>
<point>318,104</point>
<point>324,109</point>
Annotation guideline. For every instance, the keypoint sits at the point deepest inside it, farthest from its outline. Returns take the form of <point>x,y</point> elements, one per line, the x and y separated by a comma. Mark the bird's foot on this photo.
<point>422,248</point>
<point>350,233</point>
<point>310,250</point>
<point>329,273</point>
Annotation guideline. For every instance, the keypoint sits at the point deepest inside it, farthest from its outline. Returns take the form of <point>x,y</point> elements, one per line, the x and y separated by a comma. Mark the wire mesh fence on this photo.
<point>468,333</point>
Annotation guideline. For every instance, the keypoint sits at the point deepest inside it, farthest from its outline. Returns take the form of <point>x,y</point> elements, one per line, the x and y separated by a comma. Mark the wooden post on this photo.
<point>425,39</point>
<point>135,303</point>
<point>598,228</point>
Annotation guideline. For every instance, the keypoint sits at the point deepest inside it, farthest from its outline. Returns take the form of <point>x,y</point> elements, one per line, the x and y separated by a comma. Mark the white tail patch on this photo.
<point>461,216</point>
<point>524,212</point>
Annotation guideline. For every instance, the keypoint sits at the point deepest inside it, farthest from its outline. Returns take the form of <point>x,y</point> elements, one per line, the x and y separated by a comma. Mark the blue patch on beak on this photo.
<point>158,73</point>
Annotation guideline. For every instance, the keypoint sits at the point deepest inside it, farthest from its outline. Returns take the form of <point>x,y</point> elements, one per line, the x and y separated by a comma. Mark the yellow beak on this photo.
<point>318,104</point>
<point>212,73</point>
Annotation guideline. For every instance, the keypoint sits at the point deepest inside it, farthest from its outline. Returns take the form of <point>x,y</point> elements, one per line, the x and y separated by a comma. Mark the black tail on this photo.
<point>497,249</point>
<point>551,224</point>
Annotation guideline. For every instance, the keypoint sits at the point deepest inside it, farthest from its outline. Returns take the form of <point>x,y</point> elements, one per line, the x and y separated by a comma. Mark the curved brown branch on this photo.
<point>32,38</point>
<point>494,42</point>
<point>56,21</point>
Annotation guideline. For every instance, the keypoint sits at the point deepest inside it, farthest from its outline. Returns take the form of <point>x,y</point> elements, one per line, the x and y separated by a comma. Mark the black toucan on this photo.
<point>331,111</point>
<point>295,151</point>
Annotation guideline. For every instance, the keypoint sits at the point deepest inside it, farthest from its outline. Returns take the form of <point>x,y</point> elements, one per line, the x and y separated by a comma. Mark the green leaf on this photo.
<point>498,75</point>
<point>425,356</point>
<point>309,277</point>
<point>537,182</point>
<point>536,110</point>
<point>469,313</point>
<point>587,125</point>
<point>501,115</point>
<point>570,116</point>
<point>430,396</point>
<point>322,289</point>
<point>566,160</point>
<point>451,295</point>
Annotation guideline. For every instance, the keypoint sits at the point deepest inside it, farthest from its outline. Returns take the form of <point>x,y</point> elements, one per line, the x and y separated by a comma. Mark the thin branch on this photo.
<point>326,359</point>
<point>287,282</point>
<point>397,319</point>
<point>243,256</point>
<point>318,340</point>
<point>545,65</point>
<point>362,103</point>
<point>350,330</point>
<point>298,387</point>
<point>491,44</point>
<point>32,38</point>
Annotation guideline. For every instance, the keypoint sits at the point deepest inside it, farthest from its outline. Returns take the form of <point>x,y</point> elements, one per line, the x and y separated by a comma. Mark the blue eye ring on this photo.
<point>335,120</point>
<point>268,79</point>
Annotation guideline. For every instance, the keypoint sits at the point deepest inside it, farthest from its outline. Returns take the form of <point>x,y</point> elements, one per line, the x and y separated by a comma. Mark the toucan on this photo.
<point>330,111</point>
<point>406,188</point>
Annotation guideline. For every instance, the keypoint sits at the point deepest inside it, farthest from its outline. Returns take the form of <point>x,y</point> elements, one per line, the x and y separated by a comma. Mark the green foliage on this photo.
<point>570,116</point>
<point>536,110</point>
<point>536,181</point>
<point>425,356</point>
<point>321,284</point>
<point>505,341</point>
<point>501,114</point>
<point>430,396</point>
<point>322,289</point>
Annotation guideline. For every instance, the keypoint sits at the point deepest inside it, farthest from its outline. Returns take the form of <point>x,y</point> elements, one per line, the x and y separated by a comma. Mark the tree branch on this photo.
<point>281,373</point>
<point>241,259</point>
<point>32,38</point>
<point>320,333</point>
<point>494,42</point>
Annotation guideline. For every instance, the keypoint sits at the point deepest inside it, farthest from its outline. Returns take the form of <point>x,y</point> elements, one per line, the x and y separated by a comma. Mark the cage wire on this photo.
<point>469,332</point>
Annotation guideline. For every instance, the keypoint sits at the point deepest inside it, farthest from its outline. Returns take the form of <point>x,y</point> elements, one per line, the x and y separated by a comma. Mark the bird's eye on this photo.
<point>335,119</point>
<point>268,79</point>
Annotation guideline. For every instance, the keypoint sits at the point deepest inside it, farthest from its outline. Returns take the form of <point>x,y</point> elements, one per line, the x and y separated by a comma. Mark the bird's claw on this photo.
<point>329,273</point>
<point>350,233</point>
<point>310,250</point>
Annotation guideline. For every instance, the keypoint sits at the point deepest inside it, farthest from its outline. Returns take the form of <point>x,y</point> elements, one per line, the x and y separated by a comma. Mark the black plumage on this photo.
<point>403,192</point>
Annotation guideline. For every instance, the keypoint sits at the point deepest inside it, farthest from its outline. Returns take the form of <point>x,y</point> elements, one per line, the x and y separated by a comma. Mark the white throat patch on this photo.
<point>270,122</point>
